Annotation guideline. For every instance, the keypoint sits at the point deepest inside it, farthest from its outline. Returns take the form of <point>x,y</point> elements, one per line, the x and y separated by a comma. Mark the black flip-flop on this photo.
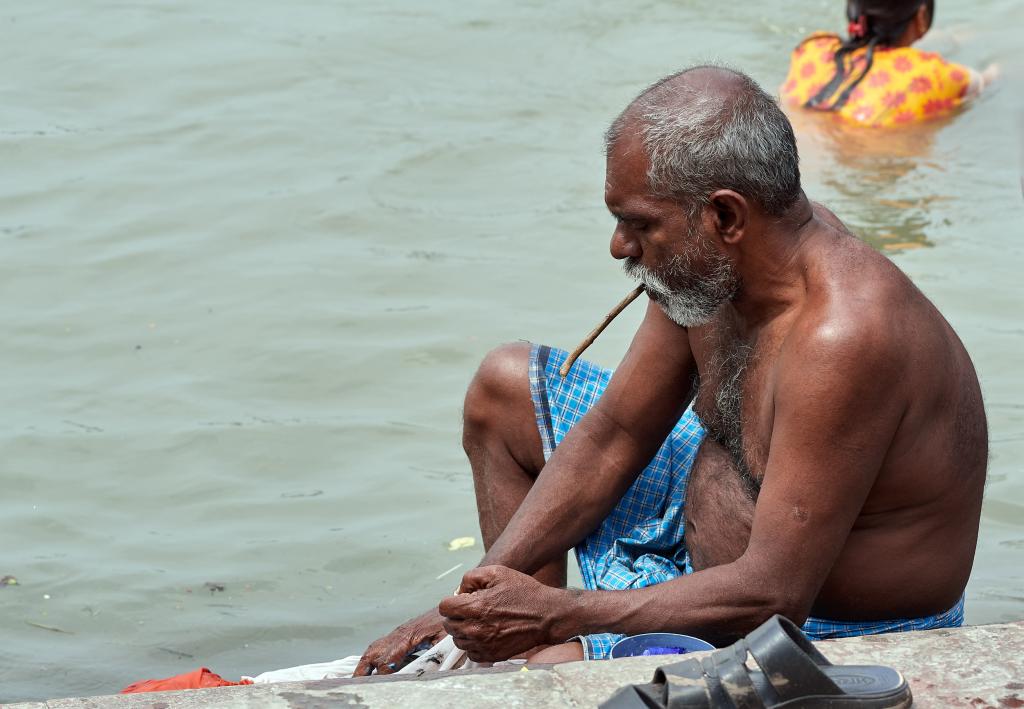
<point>793,674</point>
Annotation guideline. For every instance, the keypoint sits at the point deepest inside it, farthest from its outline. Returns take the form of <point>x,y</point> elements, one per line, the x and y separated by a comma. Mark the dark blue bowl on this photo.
<point>659,644</point>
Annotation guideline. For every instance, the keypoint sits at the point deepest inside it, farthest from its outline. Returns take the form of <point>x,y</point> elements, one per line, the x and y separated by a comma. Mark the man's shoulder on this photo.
<point>850,279</point>
<point>856,308</point>
<point>842,332</point>
<point>839,352</point>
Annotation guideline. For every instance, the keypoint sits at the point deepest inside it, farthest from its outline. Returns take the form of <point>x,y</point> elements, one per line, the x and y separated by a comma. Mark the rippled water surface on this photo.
<point>252,253</point>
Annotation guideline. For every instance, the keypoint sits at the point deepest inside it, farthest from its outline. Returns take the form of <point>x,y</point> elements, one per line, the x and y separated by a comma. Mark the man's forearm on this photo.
<point>584,479</point>
<point>589,472</point>
<point>719,605</point>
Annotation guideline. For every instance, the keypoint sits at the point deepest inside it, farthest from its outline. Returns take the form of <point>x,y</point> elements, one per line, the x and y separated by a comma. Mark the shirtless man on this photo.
<point>841,431</point>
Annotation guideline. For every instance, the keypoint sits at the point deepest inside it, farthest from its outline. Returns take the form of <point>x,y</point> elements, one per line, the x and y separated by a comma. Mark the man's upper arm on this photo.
<point>838,404</point>
<point>653,384</point>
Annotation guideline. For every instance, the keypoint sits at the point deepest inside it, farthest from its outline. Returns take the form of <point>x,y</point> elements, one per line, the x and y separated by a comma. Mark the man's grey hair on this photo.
<point>701,141</point>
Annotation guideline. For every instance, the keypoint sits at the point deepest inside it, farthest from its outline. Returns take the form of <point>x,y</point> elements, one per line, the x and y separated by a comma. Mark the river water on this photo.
<point>252,254</point>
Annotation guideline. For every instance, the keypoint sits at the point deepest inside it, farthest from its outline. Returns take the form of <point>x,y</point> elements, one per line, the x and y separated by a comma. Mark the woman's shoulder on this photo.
<point>913,62</point>
<point>811,66</point>
<point>907,57</point>
<point>819,40</point>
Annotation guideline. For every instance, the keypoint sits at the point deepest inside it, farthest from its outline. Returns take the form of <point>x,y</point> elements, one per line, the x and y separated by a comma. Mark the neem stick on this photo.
<point>633,295</point>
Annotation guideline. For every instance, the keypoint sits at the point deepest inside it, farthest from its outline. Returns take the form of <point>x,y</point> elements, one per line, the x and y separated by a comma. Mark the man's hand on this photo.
<point>386,654</point>
<point>501,613</point>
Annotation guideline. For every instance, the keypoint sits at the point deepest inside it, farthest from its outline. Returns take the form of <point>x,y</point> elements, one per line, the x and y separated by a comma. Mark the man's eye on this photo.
<point>631,224</point>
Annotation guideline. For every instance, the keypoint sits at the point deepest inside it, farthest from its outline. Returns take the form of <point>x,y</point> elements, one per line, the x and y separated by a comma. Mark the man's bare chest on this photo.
<point>735,396</point>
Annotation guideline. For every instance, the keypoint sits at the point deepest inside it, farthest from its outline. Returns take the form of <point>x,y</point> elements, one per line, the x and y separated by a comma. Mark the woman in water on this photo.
<point>876,77</point>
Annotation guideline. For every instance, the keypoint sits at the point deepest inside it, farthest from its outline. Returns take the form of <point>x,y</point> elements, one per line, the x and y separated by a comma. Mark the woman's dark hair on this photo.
<point>873,23</point>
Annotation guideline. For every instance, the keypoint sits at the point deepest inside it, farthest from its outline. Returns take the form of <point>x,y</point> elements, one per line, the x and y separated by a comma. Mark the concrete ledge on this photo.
<point>980,666</point>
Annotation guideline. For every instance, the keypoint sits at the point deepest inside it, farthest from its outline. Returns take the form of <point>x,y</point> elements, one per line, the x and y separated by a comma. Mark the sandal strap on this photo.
<point>716,690</point>
<point>685,685</point>
<point>789,661</point>
<point>731,668</point>
<point>720,679</point>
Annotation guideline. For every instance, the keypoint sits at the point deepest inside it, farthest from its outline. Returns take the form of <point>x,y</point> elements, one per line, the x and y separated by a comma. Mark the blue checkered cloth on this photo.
<point>641,542</point>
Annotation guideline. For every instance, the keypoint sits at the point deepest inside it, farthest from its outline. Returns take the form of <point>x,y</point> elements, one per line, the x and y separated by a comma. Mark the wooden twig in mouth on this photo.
<point>633,295</point>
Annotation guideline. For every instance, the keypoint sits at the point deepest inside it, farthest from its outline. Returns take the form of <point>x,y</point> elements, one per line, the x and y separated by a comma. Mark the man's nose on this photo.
<point>623,246</point>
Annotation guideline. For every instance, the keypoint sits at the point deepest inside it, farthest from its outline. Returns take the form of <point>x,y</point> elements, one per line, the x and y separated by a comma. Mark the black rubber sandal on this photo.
<point>793,674</point>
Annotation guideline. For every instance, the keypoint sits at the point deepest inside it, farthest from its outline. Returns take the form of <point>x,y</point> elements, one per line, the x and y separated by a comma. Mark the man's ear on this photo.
<point>731,213</point>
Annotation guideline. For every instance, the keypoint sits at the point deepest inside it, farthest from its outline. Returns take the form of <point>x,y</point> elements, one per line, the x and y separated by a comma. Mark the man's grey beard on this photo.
<point>686,298</point>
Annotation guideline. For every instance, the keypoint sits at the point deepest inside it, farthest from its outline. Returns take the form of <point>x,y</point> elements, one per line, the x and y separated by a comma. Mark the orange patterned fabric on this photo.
<point>904,84</point>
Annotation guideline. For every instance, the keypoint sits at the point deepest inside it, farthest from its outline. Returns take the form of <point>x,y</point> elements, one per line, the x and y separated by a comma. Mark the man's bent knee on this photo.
<point>499,403</point>
<point>501,380</point>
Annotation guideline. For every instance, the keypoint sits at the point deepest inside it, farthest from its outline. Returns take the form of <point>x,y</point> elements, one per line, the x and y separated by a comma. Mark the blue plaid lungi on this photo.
<point>641,541</point>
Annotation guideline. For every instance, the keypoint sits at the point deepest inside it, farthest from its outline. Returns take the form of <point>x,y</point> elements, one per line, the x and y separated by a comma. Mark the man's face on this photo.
<point>680,265</point>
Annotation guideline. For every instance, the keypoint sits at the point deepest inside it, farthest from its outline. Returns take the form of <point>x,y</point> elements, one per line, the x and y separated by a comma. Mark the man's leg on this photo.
<point>553,655</point>
<point>503,444</point>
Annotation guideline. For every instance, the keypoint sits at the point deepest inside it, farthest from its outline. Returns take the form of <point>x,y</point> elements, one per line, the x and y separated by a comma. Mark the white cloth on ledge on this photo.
<point>441,657</point>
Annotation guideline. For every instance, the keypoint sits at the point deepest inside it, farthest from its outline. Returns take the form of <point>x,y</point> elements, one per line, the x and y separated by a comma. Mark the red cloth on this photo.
<point>196,679</point>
